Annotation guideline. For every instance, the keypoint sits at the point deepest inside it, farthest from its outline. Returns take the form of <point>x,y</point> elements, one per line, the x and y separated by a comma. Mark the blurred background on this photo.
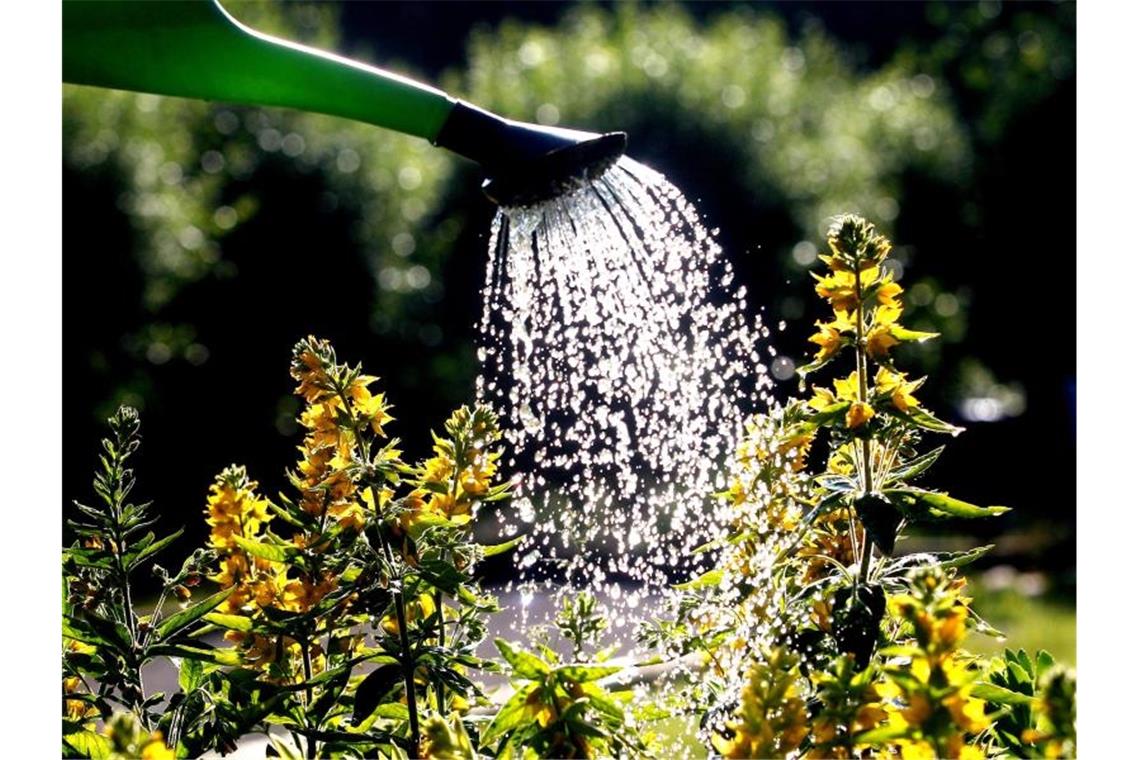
<point>202,240</point>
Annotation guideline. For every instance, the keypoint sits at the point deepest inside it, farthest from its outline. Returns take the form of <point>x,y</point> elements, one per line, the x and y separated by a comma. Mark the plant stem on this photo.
<point>442,645</point>
<point>861,369</point>
<point>306,659</point>
<point>405,649</point>
<point>409,667</point>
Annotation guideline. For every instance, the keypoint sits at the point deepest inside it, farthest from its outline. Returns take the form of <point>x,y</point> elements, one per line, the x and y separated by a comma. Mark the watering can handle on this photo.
<point>195,49</point>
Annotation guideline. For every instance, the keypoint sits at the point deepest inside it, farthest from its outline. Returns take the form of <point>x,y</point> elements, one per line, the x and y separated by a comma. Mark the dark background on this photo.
<point>186,285</point>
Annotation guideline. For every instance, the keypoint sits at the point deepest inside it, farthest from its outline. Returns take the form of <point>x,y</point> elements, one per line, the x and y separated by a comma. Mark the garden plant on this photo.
<point>342,617</point>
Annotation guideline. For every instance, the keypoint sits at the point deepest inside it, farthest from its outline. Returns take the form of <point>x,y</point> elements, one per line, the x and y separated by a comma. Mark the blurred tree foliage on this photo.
<point>202,240</point>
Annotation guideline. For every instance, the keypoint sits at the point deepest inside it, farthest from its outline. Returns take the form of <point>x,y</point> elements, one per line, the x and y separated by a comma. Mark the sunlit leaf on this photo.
<point>183,618</point>
<point>523,663</point>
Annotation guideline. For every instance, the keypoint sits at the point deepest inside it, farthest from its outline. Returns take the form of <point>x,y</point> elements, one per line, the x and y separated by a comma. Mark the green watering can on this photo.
<point>195,49</point>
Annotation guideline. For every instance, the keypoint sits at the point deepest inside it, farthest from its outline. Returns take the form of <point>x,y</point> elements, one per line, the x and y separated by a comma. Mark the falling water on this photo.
<point>620,350</point>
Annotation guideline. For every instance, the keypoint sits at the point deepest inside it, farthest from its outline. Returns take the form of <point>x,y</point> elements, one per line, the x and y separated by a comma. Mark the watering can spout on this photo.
<point>528,163</point>
<point>196,49</point>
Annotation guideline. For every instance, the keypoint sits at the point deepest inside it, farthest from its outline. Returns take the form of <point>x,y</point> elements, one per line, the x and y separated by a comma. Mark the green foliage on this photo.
<point>106,642</point>
<point>564,710</point>
<point>1039,697</point>
<point>344,634</point>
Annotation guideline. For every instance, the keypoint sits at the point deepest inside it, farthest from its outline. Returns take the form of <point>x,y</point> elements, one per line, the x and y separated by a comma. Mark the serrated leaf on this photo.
<point>523,663</point>
<point>184,618</point>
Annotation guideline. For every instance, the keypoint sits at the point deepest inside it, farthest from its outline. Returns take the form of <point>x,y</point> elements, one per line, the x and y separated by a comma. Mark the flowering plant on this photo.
<point>817,637</point>
<point>342,618</point>
<point>348,609</point>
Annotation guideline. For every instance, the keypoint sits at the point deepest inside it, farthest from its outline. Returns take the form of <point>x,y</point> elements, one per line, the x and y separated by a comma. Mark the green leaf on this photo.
<point>272,552</point>
<point>818,364</point>
<point>506,546</point>
<point>183,618</point>
<point>155,548</point>
<point>924,420</point>
<point>881,519</point>
<point>372,689</point>
<point>899,332</point>
<point>509,715</point>
<point>705,580</point>
<point>586,673</point>
<point>1044,661</point>
<point>191,674</point>
<point>442,575</point>
<point>999,695</point>
<point>915,467</point>
<point>940,505</point>
<point>830,414</point>
<point>523,663</point>
<point>840,483</point>
<point>228,657</point>
<point>881,735</point>
<point>230,622</point>
<point>88,744</point>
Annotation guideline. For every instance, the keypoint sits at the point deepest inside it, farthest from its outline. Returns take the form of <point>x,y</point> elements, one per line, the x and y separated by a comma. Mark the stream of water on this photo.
<point>618,347</point>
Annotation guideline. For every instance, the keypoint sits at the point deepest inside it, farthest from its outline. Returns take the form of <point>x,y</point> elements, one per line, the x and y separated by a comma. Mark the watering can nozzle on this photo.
<point>528,163</point>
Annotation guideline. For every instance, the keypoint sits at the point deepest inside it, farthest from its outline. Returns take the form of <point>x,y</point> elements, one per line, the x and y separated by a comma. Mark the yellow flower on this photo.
<point>898,388</point>
<point>310,358</point>
<point>830,335</point>
<point>373,408</point>
<point>858,414</point>
<point>917,750</point>
<point>880,338</point>
<point>847,388</point>
<point>156,749</point>
<point>888,291</point>
<point>233,508</point>
<point>969,713</point>
<point>839,287</point>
